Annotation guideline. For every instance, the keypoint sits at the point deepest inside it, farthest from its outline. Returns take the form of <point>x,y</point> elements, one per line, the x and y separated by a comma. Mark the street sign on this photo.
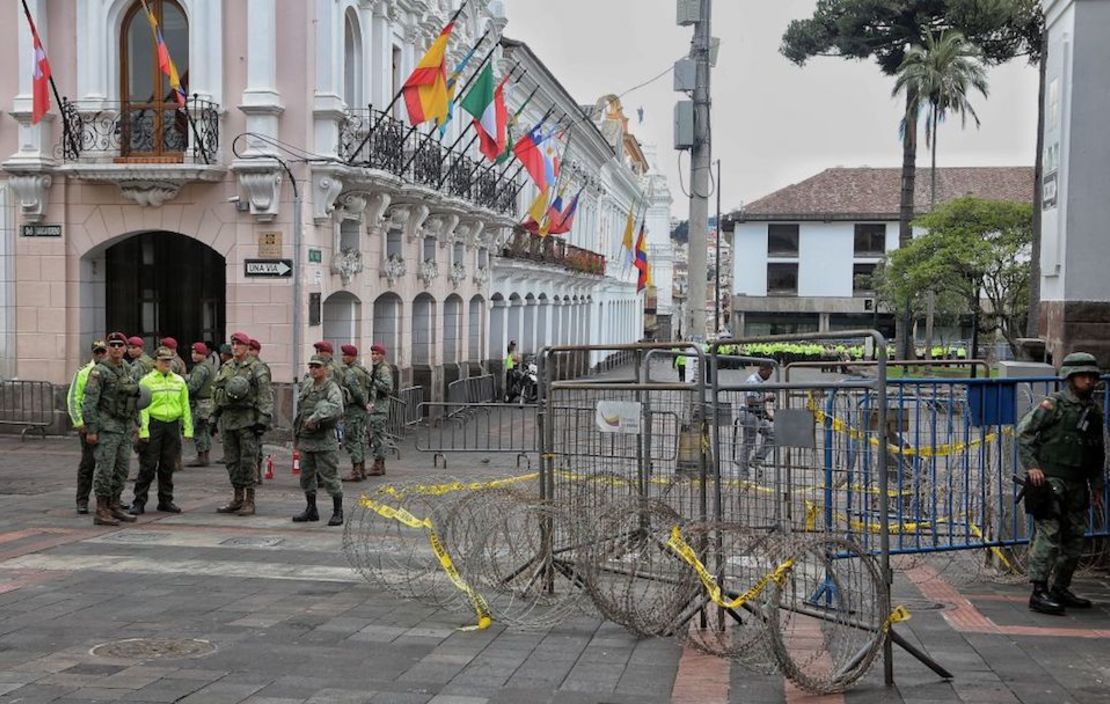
<point>40,230</point>
<point>269,245</point>
<point>275,268</point>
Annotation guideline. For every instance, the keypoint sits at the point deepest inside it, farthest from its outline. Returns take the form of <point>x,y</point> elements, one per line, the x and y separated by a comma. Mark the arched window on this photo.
<point>151,123</point>
<point>352,60</point>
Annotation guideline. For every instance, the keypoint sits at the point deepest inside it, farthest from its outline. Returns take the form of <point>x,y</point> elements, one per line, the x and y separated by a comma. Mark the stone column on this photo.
<point>261,98</point>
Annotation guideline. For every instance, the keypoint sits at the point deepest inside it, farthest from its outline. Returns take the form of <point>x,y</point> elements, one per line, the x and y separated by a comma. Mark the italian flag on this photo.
<point>486,102</point>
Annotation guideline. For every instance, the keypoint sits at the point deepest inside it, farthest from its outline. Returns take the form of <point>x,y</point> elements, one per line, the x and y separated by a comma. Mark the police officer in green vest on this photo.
<point>319,408</point>
<point>1062,452</point>
<point>110,412</point>
<point>244,408</point>
<point>680,362</point>
<point>202,380</point>
<point>161,427</point>
<point>75,398</point>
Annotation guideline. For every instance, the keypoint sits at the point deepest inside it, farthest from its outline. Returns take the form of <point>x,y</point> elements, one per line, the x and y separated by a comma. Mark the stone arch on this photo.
<point>389,325</point>
<point>476,323</point>
<point>423,329</point>
<point>342,318</point>
<point>452,328</point>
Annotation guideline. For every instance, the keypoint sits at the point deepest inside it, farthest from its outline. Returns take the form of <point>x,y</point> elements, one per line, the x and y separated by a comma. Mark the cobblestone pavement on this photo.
<point>287,621</point>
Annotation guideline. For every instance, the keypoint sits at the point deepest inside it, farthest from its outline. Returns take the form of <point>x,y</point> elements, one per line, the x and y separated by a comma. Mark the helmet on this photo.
<point>144,397</point>
<point>237,389</point>
<point>1079,363</point>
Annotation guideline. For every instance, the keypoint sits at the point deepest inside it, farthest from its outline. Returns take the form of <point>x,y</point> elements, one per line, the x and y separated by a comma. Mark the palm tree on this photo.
<point>938,76</point>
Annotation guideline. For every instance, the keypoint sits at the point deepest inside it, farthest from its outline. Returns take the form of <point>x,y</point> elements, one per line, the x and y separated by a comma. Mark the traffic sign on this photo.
<point>276,268</point>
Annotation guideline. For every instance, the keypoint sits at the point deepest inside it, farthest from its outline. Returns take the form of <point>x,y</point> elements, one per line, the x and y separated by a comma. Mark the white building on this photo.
<point>802,254</point>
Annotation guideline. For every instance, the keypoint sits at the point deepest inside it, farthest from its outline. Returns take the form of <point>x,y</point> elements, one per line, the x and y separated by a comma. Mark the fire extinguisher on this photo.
<point>269,466</point>
<point>296,461</point>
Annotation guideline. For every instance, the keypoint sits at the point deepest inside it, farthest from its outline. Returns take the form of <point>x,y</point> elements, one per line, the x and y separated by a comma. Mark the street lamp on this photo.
<point>298,237</point>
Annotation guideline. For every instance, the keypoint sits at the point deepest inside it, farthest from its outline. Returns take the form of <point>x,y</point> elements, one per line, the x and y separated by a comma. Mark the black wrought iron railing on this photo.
<point>554,251</point>
<point>154,132</point>
<point>373,139</point>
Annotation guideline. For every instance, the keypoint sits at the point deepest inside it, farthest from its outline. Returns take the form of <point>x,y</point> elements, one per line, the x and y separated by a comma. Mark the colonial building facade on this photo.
<point>802,256</point>
<point>158,221</point>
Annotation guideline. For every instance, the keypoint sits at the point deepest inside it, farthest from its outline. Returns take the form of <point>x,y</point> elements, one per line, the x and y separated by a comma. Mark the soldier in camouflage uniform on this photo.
<point>1062,452</point>
<point>202,380</point>
<point>356,381</point>
<point>244,408</point>
<point>319,408</point>
<point>381,387</point>
<point>254,349</point>
<point>140,363</point>
<point>110,412</point>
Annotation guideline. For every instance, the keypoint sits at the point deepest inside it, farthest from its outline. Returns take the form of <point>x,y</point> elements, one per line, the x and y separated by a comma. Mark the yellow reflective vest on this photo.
<point>169,401</point>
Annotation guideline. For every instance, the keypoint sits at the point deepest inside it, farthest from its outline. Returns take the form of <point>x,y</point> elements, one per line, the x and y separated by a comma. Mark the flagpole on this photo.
<point>66,133</point>
<point>374,126</point>
<point>473,138</point>
<point>469,123</point>
<point>420,148</point>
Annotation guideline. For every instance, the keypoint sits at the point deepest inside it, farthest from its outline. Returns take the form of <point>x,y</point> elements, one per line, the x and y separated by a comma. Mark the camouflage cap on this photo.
<point>99,346</point>
<point>1079,363</point>
<point>318,360</point>
<point>164,353</point>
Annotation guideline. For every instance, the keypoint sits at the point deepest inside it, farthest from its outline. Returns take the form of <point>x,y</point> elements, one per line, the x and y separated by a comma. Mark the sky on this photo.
<point>774,123</point>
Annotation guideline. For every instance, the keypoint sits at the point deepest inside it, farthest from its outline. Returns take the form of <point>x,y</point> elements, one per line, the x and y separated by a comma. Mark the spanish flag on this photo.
<point>427,96</point>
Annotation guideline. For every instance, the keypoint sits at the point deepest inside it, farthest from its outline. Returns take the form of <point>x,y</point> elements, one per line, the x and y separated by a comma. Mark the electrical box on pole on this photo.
<point>685,75</point>
<point>689,12</point>
<point>684,124</point>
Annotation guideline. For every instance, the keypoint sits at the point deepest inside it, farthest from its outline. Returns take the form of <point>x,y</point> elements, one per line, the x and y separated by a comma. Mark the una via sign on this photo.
<point>277,268</point>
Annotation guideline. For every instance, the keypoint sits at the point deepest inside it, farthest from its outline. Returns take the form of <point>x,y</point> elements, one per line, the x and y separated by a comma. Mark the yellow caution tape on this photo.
<point>441,489</point>
<point>683,550</point>
<point>481,607</point>
<point>898,615</point>
<point>996,551</point>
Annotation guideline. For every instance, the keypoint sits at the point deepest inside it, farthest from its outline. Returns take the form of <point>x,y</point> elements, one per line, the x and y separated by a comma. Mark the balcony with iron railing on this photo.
<point>553,251</point>
<point>149,149</point>
<point>372,139</point>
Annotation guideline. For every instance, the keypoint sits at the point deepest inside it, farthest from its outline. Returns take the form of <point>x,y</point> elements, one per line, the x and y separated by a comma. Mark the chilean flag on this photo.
<point>529,151</point>
<point>41,104</point>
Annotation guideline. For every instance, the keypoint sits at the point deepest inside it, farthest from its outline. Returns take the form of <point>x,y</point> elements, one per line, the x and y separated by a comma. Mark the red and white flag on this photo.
<point>41,90</point>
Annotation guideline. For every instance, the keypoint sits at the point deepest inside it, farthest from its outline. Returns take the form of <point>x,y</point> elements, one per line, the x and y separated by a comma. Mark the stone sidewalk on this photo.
<point>264,611</point>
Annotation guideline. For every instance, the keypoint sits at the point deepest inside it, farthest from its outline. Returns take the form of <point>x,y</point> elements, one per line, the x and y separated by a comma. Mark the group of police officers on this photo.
<point>124,400</point>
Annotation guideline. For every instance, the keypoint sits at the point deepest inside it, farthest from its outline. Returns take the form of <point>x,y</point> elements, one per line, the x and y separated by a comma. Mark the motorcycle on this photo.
<point>523,384</point>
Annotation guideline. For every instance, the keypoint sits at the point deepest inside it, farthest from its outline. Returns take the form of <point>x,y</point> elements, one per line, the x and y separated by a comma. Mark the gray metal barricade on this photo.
<point>479,427</point>
<point>404,414</point>
<point>27,403</point>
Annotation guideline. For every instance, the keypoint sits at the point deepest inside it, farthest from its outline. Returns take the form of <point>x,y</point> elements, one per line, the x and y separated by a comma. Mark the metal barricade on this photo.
<point>27,403</point>
<point>479,427</point>
<point>463,393</point>
<point>404,414</point>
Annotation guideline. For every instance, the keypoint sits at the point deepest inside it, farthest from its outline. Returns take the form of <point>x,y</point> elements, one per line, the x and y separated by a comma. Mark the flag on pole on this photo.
<point>626,242</point>
<point>425,90</point>
<point>486,102</point>
<point>641,263</point>
<point>165,63</point>
<point>41,76</point>
<point>536,212</point>
<point>565,220</point>
<point>529,150</point>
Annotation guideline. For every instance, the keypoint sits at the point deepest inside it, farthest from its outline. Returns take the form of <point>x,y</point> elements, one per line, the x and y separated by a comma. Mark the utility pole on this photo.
<point>700,156</point>
<point>717,254</point>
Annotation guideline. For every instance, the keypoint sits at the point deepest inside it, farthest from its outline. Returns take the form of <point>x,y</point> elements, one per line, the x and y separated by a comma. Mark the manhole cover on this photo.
<point>154,648</point>
<point>252,542</point>
<point>135,536</point>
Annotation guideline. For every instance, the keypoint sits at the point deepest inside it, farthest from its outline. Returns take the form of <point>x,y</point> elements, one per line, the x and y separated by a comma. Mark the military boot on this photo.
<point>103,516</point>
<point>1065,597</point>
<point>1041,601</point>
<point>336,511</point>
<point>83,506</point>
<point>138,508</point>
<point>200,461</point>
<point>378,468</point>
<point>310,513</point>
<point>356,475</point>
<point>235,504</point>
<point>247,509</point>
<point>119,514</point>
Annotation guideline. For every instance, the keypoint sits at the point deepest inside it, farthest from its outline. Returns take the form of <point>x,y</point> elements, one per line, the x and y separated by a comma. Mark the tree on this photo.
<point>973,249</point>
<point>939,74</point>
<point>883,29</point>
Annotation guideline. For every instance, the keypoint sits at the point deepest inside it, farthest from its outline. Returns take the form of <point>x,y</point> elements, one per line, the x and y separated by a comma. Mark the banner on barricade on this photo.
<point>619,417</point>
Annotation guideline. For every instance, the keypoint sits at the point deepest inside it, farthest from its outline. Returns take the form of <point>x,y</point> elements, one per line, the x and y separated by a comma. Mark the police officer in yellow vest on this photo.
<point>161,425</point>
<point>74,399</point>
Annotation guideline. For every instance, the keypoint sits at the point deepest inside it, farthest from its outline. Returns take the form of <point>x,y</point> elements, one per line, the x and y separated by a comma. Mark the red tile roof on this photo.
<point>872,194</point>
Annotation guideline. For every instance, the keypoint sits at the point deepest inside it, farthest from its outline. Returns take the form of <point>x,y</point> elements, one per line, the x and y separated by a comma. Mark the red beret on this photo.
<point>349,349</point>
<point>241,337</point>
<point>323,346</point>
<point>169,342</point>
<point>254,344</point>
<point>135,341</point>
<point>200,348</point>
<point>380,349</point>
<point>117,337</point>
